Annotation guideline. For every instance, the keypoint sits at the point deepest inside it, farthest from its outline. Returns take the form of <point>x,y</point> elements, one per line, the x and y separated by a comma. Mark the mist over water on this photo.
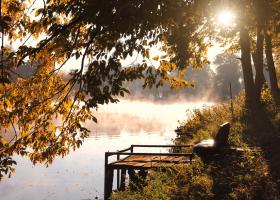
<point>135,117</point>
<point>80,174</point>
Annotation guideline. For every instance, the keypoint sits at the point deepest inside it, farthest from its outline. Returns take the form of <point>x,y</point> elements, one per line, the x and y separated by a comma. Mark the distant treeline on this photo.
<point>212,82</point>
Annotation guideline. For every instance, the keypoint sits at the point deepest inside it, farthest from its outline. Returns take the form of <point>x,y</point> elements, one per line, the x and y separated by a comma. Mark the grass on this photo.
<point>248,175</point>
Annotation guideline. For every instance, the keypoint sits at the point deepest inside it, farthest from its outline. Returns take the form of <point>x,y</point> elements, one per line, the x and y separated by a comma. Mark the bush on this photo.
<point>182,182</point>
<point>234,177</point>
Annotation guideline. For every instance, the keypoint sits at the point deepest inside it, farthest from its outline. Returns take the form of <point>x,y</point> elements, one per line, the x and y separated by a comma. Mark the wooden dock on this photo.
<point>127,160</point>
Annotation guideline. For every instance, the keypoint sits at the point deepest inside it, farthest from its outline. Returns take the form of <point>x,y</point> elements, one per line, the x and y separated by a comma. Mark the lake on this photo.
<point>79,176</point>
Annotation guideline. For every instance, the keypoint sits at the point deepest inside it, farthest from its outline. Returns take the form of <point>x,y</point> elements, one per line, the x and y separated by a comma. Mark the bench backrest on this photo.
<point>221,138</point>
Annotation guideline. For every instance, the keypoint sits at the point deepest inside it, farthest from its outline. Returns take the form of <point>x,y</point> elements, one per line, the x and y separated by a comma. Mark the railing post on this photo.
<point>191,157</point>
<point>131,150</point>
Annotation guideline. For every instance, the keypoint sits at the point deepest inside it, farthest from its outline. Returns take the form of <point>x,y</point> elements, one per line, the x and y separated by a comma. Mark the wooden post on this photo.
<point>231,100</point>
<point>118,175</point>
<point>108,179</point>
<point>123,177</point>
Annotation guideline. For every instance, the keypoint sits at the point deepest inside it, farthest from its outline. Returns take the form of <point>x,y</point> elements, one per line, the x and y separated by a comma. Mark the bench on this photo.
<point>216,145</point>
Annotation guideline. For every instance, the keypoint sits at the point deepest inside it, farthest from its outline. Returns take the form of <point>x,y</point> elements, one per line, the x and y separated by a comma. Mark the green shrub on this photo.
<point>183,181</point>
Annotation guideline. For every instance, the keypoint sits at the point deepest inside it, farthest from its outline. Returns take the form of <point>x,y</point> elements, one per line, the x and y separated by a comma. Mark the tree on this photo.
<point>228,71</point>
<point>272,41</point>
<point>100,34</point>
<point>271,68</point>
<point>252,23</point>
<point>202,80</point>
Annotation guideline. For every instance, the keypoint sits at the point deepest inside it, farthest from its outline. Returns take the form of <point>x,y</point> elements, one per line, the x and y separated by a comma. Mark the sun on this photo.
<point>226,18</point>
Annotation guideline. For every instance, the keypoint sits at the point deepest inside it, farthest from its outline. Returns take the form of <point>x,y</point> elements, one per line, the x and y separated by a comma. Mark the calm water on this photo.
<point>79,175</point>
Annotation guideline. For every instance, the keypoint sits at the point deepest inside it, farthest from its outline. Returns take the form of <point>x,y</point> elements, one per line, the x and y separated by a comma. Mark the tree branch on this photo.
<point>45,42</point>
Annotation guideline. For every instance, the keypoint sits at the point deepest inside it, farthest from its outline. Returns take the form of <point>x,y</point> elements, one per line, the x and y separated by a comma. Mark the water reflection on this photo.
<point>80,174</point>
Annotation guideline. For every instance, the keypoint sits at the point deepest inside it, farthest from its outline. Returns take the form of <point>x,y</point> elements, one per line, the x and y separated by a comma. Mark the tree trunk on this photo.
<point>247,68</point>
<point>258,62</point>
<point>271,68</point>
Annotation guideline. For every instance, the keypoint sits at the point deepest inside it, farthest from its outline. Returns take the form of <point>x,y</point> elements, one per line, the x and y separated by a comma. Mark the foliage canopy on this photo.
<point>101,34</point>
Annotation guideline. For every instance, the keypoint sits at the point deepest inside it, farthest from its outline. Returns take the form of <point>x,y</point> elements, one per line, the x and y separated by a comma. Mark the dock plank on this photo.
<point>150,161</point>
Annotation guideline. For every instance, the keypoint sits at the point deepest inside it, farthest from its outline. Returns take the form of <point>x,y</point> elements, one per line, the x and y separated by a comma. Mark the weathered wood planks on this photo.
<point>149,161</point>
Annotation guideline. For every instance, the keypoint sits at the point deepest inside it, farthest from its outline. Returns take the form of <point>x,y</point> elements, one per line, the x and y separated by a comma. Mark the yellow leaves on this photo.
<point>37,30</point>
<point>7,103</point>
<point>44,59</point>
<point>38,12</point>
<point>167,66</point>
<point>147,53</point>
<point>13,170</point>
<point>64,109</point>
<point>177,83</point>
<point>156,58</point>
<point>181,73</point>
<point>34,103</point>
<point>3,141</point>
<point>176,79</point>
